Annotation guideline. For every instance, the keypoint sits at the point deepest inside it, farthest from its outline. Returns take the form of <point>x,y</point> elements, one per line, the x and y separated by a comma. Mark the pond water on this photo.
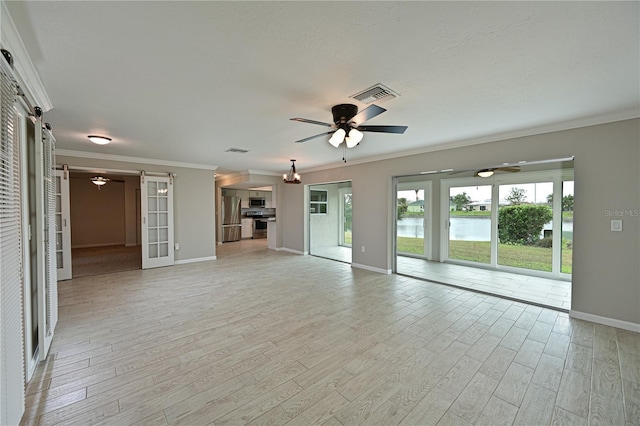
<point>462,228</point>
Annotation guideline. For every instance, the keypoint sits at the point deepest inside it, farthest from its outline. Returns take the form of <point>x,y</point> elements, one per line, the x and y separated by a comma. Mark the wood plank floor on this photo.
<point>264,337</point>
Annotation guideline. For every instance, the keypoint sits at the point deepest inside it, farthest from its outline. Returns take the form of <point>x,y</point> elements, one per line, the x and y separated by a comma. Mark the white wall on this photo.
<point>606,270</point>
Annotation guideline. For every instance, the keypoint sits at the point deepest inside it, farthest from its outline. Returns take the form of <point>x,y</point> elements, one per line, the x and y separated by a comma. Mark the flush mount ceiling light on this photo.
<point>100,140</point>
<point>292,176</point>
<point>99,180</point>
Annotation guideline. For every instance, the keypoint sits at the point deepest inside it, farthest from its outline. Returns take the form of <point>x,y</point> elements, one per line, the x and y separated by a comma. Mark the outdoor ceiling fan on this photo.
<point>484,173</point>
<point>347,125</point>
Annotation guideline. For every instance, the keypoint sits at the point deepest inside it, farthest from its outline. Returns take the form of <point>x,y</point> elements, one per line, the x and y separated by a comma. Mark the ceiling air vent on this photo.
<point>237,150</point>
<point>378,93</point>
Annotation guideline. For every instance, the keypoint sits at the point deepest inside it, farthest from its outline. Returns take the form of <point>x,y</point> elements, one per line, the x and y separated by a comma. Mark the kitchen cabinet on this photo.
<point>247,228</point>
<point>244,198</point>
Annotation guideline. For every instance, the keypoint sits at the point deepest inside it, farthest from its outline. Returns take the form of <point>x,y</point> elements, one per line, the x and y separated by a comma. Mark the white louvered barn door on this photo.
<point>12,380</point>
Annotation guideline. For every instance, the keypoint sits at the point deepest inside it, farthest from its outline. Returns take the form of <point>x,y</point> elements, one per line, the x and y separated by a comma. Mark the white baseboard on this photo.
<point>371,268</point>
<point>612,322</point>
<point>304,253</point>
<point>194,260</point>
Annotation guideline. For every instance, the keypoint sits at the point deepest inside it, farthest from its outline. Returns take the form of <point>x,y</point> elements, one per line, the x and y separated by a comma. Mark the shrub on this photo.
<point>546,242</point>
<point>522,224</point>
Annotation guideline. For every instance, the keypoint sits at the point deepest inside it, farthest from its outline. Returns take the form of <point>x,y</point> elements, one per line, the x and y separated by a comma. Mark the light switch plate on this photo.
<point>616,225</point>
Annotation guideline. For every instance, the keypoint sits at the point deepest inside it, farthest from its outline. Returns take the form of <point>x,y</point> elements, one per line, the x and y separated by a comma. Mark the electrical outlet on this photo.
<point>363,249</point>
<point>177,246</point>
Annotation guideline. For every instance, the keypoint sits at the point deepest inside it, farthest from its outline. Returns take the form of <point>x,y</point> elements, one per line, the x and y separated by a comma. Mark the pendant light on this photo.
<point>292,176</point>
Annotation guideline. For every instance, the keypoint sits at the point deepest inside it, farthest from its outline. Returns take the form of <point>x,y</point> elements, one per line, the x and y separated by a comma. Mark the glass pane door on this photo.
<point>470,223</point>
<point>525,226</point>
<point>410,225</point>
<point>63,227</point>
<point>347,219</point>
<point>157,219</point>
<point>566,261</point>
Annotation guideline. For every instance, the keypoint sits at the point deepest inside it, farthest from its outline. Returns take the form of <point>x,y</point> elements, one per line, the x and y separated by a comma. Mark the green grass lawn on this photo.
<point>536,258</point>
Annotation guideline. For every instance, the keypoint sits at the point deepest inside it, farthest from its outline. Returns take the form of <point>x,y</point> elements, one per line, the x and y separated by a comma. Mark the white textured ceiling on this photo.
<point>184,81</point>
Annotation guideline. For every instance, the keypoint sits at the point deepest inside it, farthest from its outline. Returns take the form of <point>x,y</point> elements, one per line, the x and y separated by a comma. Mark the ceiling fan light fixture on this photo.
<point>354,138</point>
<point>99,140</point>
<point>292,176</point>
<point>485,173</point>
<point>99,180</point>
<point>337,137</point>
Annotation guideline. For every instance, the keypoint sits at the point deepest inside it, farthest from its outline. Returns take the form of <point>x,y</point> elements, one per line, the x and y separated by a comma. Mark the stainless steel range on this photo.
<point>259,228</point>
<point>259,223</point>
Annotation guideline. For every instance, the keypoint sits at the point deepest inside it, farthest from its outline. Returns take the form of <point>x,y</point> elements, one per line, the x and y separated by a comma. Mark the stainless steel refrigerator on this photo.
<point>231,225</point>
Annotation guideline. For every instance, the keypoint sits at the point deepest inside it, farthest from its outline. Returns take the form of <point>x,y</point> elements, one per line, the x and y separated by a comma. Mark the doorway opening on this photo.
<point>330,221</point>
<point>105,224</point>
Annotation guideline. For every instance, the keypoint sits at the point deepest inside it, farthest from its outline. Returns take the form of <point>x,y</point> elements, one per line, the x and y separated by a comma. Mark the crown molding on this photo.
<point>629,114</point>
<point>23,67</point>
<point>127,159</point>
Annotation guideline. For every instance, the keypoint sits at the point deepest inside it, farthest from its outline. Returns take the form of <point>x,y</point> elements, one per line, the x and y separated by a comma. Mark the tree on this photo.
<point>516,196</point>
<point>460,200</point>
<point>403,206</point>
<point>567,202</point>
<point>522,224</point>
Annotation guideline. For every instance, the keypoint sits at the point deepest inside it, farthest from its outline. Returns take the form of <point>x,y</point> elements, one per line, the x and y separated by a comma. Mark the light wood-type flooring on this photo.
<point>265,337</point>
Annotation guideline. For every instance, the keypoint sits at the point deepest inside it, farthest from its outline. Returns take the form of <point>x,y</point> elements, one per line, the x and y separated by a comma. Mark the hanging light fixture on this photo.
<point>292,176</point>
<point>350,136</point>
<point>99,180</point>
<point>337,137</point>
<point>354,138</point>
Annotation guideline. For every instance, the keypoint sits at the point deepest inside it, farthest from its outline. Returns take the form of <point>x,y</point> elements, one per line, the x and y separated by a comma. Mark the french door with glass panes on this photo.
<point>157,221</point>
<point>63,225</point>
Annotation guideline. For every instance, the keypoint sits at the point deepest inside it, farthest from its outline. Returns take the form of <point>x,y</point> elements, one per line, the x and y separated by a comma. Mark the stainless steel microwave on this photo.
<point>256,202</point>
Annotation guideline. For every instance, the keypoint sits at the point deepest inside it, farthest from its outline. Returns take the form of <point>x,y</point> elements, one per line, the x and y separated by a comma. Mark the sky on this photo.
<point>535,192</point>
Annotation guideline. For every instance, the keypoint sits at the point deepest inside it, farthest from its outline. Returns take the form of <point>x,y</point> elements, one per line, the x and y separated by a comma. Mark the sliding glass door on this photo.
<point>469,223</point>
<point>413,219</point>
<point>515,222</point>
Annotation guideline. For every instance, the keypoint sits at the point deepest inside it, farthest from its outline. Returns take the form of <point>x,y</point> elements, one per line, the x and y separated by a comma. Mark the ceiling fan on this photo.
<point>347,125</point>
<point>484,173</point>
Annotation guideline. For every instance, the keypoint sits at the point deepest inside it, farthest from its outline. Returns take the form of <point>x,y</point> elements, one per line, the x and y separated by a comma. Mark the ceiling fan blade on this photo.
<point>315,136</point>
<point>383,129</point>
<point>509,169</point>
<point>304,120</point>
<point>367,114</point>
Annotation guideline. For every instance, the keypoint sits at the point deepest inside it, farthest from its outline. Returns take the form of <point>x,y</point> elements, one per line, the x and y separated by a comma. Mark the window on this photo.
<point>318,201</point>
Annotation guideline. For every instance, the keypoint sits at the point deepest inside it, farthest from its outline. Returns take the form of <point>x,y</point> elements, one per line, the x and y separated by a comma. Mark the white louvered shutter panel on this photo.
<point>50,230</point>
<point>11,316</point>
